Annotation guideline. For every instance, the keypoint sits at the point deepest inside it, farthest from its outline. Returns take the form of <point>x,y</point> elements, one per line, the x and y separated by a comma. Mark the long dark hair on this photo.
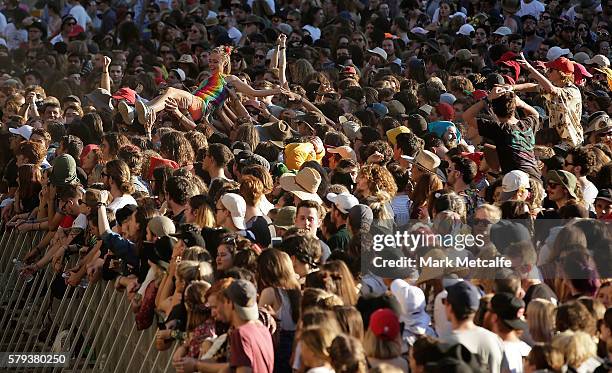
<point>29,178</point>
<point>274,269</point>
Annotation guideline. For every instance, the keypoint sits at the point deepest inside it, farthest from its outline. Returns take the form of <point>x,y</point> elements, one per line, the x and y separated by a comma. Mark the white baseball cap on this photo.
<point>503,31</point>
<point>513,181</point>
<point>466,30</point>
<point>343,201</point>
<point>556,52</point>
<point>419,31</point>
<point>237,208</point>
<point>24,131</point>
<point>346,152</point>
<point>448,98</point>
<point>379,52</point>
<point>180,73</point>
<point>599,60</point>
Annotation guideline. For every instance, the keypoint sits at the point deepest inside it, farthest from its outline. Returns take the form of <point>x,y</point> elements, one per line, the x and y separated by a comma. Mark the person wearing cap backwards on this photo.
<point>603,204</point>
<point>341,204</point>
<point>250,343</point>
<point>563,98</point>
<point>506,315</point>
<point>461,304</point>
<point>580,161</point>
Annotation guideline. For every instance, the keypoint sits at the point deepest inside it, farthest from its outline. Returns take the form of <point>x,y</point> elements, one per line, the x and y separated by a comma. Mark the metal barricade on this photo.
<point>97,326</point>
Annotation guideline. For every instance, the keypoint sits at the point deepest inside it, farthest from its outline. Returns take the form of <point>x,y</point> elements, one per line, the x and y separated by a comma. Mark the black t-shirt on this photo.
<point>514,142</point>
<point>259,226</point>
<point>10,174</point>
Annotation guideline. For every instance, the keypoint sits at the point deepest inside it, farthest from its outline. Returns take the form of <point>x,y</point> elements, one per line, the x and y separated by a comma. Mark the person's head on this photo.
<point>219,60</point>
<point>29,152</point>
<point>383,339</point>
<point>71,145</point>
<point>175,146</point>
<point>195,303</point>
<point>305,252</point>
<point>540,316</point>
<point>230,211</point>
<point>424,350</point>
<point>580,161</point>
<point>343,280</point>
<point>373,179</point>
<point>347,355</point>
<point>561,186</point>
<point>117,174</point>
<point>110,145</point>
<point>230,245</point>
<point>179,189</point>
<point>461,302</point>
<point>543,357</point>
<point>315,343</point>
<point>115,71</point>
<point>577,347</point>
<point>505,105</point>
<point>574,316</point>
<point>217,157</point>
<point>308,216</point>
<point>238,302</point>
<point>70,198</point>
<point>461,170</point>
<point>560,71</point>
<point>51,111</point>
<point>199,212</point>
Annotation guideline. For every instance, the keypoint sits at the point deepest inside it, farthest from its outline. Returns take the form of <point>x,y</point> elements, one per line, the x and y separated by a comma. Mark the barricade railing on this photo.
<point>93,325</point>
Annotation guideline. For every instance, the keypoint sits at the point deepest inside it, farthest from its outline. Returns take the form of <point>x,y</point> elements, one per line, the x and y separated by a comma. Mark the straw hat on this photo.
<point>304,184</point>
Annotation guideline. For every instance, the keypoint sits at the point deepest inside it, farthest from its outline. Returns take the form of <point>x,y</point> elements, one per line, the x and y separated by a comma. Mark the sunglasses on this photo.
<point>260,57</point>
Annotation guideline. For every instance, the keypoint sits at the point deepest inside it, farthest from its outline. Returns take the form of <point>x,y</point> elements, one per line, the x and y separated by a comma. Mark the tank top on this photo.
<point>213,91</point>
<point>284,312</point>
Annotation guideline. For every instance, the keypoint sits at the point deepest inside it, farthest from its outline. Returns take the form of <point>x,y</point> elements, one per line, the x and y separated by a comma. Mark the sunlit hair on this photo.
<point>203,212</point>
<point>252,189</point>
<point>275,270</point>
<point>195,301</point>
<point>341,276</point>
<point>225,52</point>
<point>577,347</point>
<point>379,179</point>
<point>318,341</point>
<point>541,320</point>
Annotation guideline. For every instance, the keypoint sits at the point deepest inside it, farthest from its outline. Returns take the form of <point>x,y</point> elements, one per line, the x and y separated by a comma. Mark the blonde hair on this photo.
<point>190,270</point>
<point>577,347</point>
<point>541,320</point>
<point>318,341</point>
<point>493,211</point>
<point>225,52</point>
<point>379,348</point>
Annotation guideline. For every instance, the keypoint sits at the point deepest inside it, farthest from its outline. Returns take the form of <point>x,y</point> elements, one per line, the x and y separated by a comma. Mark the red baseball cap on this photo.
<point>126,94</point>
<point>157,162</point>
<point>446,111</point>
<point>561,64</point>
<point>349,70</point>
<point>86,150</point>
<point>479,94</point>
<point>384,324</point>
<point>76,31</point>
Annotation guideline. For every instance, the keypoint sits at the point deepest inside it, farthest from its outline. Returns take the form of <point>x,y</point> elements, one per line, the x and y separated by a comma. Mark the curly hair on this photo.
<point>175,146</point>
<point>379,179</point>
<point>32,151</point>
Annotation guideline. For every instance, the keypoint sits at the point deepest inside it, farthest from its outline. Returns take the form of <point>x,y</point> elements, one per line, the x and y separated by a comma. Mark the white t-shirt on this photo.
<point>441,324</point>
<point>534,8</point>
<point>81,16</point>
<point>14,37</point>
<point>481,342</point>
<point>514,352</point>
<point>56,39</point>
<point>122,201</point>
<point>589,191</point>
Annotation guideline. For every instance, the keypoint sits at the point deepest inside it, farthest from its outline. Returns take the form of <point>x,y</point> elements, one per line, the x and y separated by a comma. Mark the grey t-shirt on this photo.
<point>487,345</point>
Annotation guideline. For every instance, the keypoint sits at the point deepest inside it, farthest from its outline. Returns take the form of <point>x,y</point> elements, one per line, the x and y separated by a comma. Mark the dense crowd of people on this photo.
<point>229,166</point>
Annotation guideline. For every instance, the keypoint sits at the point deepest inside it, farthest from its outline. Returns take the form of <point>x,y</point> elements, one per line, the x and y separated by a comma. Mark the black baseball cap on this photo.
<point>605,195</point>
<point>190,234</point>
<point>510,310</point>
<point>161,251</point>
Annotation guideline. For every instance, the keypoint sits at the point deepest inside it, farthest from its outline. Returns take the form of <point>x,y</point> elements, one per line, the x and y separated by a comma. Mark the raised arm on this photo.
<point>546,84</point>
<point>105,81</point>
<point>282,59</point>
<point>246,89</point>
<point>528,109</point>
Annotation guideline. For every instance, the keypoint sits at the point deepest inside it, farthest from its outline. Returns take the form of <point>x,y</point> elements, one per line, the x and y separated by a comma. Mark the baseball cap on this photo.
<point>346,152</point>
<point>394,132</point>
<point>127,94</point>
<point>599,60</point>
<point>463,297</point>
<point>180,73</point>
<point>561,64</point>
<point>161,226</point>
<point>379,109</point>
<point>191,236</point>
<point>244,296</point>
<point>466,30</point>
<point>161,251</point>
<point>24,131</point>
<point>506,232</point>
<point>427,109</point>
<point>343,201</point>
<point>510,310</point>
<point>605,195</point>
<point>448,98</point>
<point>237,208</point>
<point>379,52</point>
<point>513,181</point>
<point>503,31</point>
<point>384,323</point>
<point>556,52</point>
